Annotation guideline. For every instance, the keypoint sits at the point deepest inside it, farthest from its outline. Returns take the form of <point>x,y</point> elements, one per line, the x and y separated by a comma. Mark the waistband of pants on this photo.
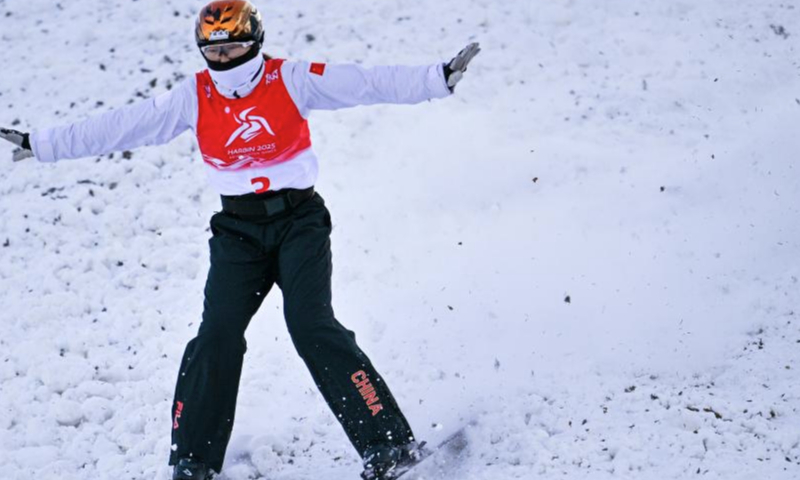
<point>264,205</point>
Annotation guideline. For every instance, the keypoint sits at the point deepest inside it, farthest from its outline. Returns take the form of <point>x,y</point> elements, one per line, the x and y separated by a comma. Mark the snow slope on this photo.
<point>590,252</point>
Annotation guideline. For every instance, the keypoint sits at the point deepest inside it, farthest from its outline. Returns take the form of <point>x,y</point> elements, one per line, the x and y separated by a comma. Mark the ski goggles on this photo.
<point>230,51</point>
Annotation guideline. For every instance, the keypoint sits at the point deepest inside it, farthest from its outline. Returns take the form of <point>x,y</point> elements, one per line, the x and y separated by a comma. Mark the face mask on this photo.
<point>238,81</point>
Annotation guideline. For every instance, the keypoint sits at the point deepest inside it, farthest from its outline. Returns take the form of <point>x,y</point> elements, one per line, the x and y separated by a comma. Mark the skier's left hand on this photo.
<point>454,70</point>
<point>21,140</point>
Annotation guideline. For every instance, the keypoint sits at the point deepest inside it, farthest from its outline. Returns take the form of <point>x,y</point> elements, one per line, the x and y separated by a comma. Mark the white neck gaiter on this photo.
<point>240,81</point>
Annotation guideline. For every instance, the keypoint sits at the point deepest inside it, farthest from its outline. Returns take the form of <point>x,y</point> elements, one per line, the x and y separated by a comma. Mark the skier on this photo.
<point>249,112</point>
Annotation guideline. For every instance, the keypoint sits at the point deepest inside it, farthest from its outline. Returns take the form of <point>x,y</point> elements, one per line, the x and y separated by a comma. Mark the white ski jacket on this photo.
<point>159,120</point>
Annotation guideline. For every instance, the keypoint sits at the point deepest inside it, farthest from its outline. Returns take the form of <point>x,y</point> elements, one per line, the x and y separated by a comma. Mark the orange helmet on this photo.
<point>228,21</point>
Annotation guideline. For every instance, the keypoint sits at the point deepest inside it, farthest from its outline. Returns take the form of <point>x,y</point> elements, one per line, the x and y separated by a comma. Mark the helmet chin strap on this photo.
<point>240,80</point>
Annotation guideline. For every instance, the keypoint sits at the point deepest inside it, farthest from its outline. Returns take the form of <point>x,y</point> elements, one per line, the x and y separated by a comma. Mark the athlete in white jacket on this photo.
<point>249,112</point>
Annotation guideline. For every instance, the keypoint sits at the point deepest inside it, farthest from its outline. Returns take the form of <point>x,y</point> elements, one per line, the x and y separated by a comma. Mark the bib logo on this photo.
<point>271,77</point>
<point>250,127</point>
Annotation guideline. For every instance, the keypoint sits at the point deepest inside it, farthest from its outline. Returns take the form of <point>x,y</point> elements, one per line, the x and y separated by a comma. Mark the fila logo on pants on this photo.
<point>250,126</point>
<point>367,391</point>
<point>178,410</point>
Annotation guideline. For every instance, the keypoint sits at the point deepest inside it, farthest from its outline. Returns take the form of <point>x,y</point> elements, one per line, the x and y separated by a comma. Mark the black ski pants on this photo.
<point>248,257</point>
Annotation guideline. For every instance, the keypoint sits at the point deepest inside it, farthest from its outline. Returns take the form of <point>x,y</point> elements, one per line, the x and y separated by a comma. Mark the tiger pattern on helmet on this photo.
<point>228,21</point>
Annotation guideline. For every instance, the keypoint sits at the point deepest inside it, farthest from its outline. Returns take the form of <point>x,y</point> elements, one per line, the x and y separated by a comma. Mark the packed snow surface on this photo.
<point>589,254</point>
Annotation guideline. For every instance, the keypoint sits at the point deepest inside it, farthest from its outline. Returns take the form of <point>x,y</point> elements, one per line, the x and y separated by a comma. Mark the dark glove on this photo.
<point>454,70</point>
<point>21,140</point>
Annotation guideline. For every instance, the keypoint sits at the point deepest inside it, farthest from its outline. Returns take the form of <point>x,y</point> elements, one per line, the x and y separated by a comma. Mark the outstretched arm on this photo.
<point>151,122</point>
<point>317,86</point>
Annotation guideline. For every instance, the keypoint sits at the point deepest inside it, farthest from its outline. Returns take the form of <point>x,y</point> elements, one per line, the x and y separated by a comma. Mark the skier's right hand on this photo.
<point>21,140</point>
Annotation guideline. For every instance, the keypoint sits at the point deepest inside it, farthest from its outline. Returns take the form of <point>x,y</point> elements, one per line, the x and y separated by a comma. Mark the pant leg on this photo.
<point>358,396</point>
<point>240,277</point>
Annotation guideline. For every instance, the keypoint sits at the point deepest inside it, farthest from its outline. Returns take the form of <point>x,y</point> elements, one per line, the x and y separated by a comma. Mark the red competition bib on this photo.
<point>262,129</point>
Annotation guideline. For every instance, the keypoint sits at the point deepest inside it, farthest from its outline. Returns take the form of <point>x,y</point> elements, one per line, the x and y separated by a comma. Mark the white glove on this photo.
<point>454,70</point>
<point>21,140</point>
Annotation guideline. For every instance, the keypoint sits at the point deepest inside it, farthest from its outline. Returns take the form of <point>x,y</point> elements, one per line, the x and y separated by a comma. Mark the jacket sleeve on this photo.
<point>151,122</point>
<point>315,86</point>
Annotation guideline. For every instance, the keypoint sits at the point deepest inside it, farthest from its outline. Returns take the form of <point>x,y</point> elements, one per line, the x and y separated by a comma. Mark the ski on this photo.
<point>436,462</point>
